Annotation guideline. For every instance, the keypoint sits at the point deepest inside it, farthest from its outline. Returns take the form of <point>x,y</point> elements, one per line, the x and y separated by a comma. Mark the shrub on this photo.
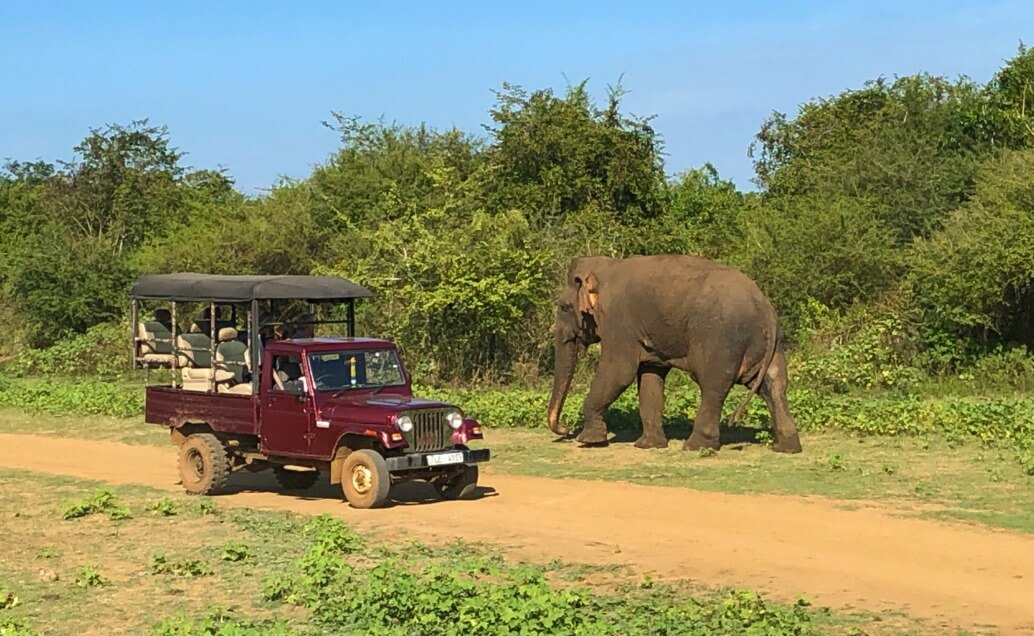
<point>102,351</point>
<point>89,576</point>
<point>871,358</point>
<point>235,551</point>
<point>103,501</point>
<point>80,397</point>
<point>160,564</point>
<point>164,507</point>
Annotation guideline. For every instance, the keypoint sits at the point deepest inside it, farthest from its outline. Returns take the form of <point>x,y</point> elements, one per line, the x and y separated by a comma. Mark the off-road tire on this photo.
<point>294,479</point>
<point>459,486</point>
<point>204,464</point>
<point>365,479</point>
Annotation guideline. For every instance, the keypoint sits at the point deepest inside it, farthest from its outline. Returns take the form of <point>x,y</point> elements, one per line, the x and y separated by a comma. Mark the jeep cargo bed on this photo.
<point>224,412</point>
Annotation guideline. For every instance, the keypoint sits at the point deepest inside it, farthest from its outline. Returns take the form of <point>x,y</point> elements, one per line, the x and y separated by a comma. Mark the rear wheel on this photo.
<point>204,464</point>
<point>460,485</point>
<point>365,479</point>
<point>295,479</point>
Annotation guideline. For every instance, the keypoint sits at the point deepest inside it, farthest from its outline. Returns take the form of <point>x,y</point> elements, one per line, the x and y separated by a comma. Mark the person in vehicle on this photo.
<point>164,318</point>
<point>304,327</point>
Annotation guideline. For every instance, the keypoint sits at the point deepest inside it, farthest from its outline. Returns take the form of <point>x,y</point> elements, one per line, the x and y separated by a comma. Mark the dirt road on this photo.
<point>784,546</point>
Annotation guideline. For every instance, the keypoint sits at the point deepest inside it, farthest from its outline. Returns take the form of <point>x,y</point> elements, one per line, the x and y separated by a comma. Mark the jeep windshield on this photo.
<point>343,370</point>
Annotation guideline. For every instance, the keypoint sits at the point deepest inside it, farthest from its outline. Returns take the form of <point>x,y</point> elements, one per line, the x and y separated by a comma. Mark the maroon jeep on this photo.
<point>343,406</point>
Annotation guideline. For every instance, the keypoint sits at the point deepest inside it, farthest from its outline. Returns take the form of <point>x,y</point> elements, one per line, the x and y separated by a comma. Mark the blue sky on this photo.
<point>245,86</point>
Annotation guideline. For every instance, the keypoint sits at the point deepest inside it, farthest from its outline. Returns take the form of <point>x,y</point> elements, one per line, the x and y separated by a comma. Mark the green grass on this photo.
<point>266,571</point>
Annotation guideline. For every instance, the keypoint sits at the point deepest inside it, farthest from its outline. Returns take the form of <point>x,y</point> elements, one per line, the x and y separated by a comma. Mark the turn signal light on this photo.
<point>396,437</point>
<point>476,430</point>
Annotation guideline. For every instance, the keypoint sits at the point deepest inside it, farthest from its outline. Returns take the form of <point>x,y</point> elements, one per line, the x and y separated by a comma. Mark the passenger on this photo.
<point>280,331</point>
<point>304,327</point>
<point>164,318</point>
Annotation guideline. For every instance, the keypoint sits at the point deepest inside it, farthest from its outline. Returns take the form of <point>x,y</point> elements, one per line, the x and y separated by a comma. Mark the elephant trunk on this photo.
<point>563,373</point>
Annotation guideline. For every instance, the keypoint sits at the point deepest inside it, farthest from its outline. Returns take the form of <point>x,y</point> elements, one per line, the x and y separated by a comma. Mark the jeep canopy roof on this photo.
<point>239,289</point>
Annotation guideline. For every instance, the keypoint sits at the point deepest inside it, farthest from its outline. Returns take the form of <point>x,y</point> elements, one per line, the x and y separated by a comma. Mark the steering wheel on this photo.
<point>320,379</point>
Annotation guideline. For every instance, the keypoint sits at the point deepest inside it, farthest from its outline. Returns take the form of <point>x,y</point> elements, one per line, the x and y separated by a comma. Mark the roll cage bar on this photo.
<point>217,290</point>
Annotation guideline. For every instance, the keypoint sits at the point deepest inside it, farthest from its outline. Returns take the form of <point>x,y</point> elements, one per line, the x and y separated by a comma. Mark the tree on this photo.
<point>977,273</point>
<point>906,149</point>
<point>552,156</point>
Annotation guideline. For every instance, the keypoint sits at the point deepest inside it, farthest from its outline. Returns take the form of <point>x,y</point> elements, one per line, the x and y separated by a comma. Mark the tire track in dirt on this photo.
<point>964,575</point>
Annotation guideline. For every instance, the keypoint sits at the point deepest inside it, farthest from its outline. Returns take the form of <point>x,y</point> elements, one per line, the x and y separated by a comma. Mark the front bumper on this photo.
<point>416,461</point>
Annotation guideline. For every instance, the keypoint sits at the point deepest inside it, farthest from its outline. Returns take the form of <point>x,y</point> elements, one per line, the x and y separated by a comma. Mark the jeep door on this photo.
<point>287,416</point>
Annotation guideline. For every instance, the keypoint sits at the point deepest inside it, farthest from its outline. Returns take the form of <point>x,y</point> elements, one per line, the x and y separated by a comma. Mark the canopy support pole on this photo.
<point>253,345</point>
<point>134,317</point>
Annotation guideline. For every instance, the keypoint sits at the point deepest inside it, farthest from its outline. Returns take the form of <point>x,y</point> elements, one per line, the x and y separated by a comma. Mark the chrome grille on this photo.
<point>430,430</point>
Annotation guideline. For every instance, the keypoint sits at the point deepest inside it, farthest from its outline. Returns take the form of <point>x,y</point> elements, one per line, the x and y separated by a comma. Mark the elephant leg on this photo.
<point>613,376</point>
<point>773,389</point>
<point>651,407</point>
<point>705,426</point>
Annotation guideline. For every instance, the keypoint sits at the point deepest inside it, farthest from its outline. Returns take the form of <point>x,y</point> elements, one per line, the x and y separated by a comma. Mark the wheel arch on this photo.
<point>345,445</point>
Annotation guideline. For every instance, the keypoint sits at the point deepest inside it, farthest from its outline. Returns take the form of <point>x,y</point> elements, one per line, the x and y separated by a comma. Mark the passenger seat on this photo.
<point>155,344</point>
<point>232,355</point>
<point>195,357</point>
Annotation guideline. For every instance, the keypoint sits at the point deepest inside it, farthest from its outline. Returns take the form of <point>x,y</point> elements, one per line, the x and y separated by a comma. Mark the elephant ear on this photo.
<point>588,293</point>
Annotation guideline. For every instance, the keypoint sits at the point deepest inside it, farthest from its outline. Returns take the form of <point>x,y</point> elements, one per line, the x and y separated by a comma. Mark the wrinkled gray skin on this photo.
<point>651,314</point>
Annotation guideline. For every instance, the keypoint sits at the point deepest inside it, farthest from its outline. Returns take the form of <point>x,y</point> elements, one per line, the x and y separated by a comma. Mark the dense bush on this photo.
<point>73,397</point>
<point>102,351</point>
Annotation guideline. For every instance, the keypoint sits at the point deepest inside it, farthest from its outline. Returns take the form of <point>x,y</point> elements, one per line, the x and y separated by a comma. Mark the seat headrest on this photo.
<point>227,334</point>
<point>163,316</point>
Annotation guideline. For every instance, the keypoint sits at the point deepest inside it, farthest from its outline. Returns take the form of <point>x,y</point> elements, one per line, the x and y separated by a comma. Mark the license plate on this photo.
<point>444,459</point>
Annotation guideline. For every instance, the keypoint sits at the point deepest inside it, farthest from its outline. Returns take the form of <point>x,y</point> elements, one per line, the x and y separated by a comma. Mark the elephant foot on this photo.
<point>696,442</point>
<point>652,441</point>
<point>788,445</point>
<point>596,436</point>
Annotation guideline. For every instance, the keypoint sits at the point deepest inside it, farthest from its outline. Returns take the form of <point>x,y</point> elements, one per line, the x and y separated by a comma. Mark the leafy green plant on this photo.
<point>103,501</point>
<point>206,506</point>
<point>190,568</point>
<point>219,622</point>
<point>835,462</point>
<point>164,507</point>
<point>11,627</point>
<point>8,599</point>
<point>235,552</point>
<point>88,576</point>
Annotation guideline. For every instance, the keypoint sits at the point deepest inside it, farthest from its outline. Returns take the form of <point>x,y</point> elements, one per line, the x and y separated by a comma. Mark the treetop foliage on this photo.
<point>914,188</point>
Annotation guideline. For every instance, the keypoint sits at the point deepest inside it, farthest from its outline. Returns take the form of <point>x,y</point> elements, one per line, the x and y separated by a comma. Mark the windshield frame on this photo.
<point>344,353</point>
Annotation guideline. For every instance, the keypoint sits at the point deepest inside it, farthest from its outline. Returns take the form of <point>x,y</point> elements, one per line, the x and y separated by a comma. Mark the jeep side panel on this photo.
<point>224,412</point>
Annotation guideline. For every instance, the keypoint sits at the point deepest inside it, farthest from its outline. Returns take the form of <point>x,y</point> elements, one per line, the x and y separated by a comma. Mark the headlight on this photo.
<point>405,423</point>
<point>454,419</point>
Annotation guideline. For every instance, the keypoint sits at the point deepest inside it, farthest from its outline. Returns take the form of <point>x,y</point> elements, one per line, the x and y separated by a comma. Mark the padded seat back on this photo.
<point>194,350</point>
<point>232,354</point>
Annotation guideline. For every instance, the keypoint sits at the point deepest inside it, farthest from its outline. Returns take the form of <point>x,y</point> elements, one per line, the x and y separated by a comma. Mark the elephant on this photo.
<point>651,314</point>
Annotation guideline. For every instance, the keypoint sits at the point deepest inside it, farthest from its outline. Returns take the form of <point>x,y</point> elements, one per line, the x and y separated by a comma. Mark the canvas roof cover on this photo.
<point>238,289</point>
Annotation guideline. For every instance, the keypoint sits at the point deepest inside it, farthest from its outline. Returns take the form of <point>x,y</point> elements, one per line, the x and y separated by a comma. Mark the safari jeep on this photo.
<point>301,406</point>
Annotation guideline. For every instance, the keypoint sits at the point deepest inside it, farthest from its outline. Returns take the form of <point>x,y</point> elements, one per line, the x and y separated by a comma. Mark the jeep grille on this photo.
<point>430,430</point>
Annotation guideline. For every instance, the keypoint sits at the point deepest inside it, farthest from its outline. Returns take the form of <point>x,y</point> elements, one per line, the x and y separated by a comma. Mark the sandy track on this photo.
<point>785,546</point>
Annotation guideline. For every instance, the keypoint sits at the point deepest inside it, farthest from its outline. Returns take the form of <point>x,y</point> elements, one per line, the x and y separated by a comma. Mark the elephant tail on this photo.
<point>766,362</point>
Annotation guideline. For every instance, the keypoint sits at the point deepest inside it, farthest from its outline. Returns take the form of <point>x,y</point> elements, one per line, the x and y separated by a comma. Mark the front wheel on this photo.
<point>204,464</point>
<point>365,479</point>
<point>459,486</point>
